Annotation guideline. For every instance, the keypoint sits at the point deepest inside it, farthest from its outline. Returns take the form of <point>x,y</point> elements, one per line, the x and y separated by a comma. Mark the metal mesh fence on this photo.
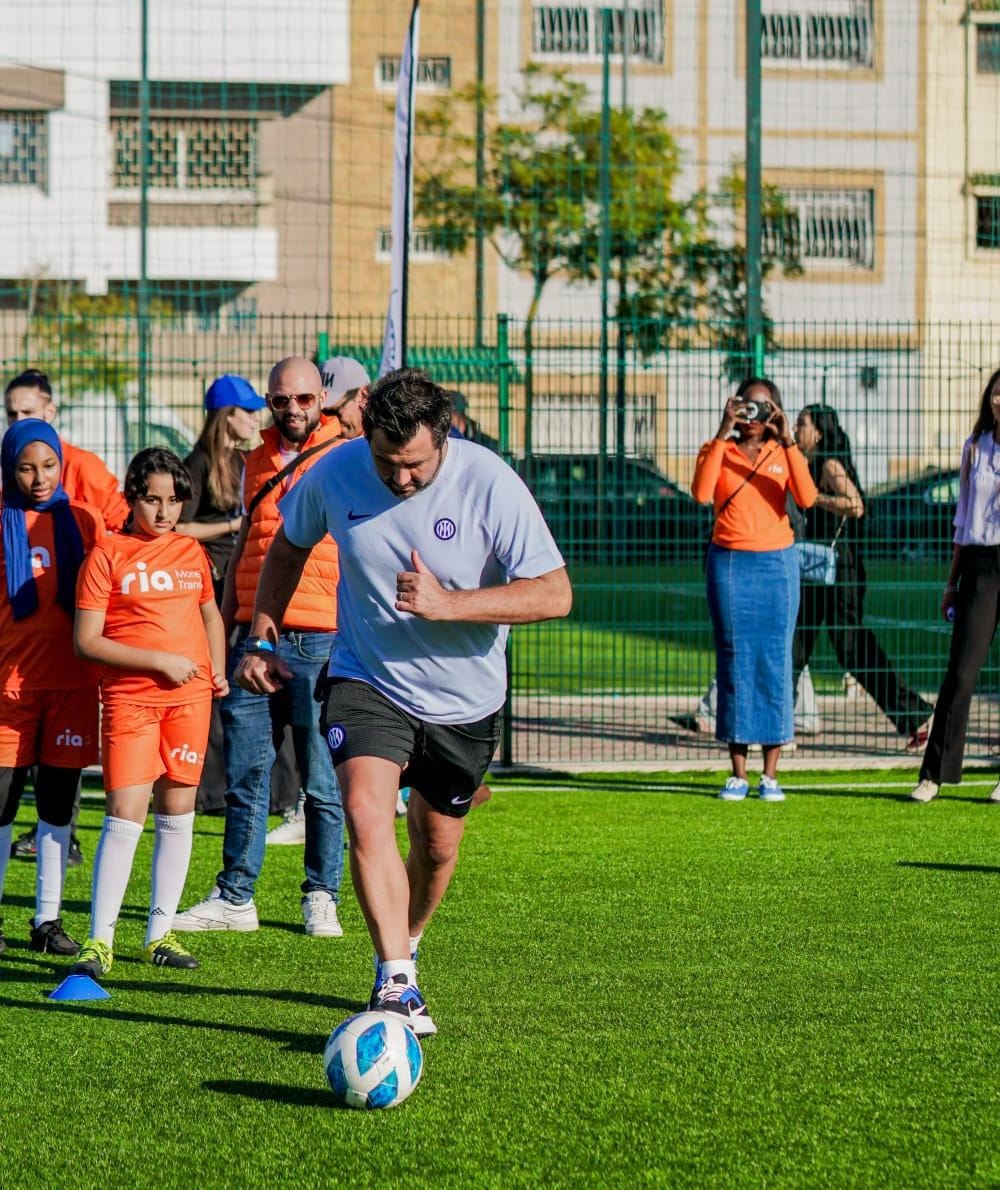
<point>610,463</point>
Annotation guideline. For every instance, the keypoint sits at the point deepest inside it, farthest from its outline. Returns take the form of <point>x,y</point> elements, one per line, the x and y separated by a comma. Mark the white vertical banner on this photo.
<point>394,341</point>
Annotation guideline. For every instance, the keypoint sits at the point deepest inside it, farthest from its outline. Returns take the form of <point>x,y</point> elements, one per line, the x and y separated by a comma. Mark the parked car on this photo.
<point>111,428</point>
<point>912,518</point>
<point>622,509</point>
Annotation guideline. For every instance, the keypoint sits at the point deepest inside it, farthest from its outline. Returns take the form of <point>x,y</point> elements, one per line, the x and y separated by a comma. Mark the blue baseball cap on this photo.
<point>229,390</point>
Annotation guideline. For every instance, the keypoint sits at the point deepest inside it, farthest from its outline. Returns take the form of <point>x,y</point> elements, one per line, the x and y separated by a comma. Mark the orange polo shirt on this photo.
<point>756,518</point>
<point>86,479</point>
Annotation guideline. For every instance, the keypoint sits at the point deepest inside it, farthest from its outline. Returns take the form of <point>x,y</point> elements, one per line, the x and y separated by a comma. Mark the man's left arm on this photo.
<point>521,601</point>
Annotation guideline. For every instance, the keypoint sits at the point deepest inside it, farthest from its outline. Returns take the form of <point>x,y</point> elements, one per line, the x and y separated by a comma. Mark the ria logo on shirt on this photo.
<point>160,580</point>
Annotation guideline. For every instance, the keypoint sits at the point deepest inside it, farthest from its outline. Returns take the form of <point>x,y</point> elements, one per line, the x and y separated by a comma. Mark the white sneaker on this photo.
<point>994,793</point>
<point>927,791</point>
<point>216,914</point>
<point>291,829</point>
<point>320,912</point>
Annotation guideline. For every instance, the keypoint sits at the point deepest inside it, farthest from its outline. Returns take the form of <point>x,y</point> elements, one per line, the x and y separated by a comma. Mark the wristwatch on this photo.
<point>258,644</point>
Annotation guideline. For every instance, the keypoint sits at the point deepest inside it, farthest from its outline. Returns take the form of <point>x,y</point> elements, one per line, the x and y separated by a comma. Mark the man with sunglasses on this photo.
<point>253,726</point>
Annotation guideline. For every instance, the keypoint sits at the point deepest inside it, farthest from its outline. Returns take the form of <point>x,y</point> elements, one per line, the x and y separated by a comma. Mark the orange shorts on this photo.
<point>142,743</point>
<point>54,727</point>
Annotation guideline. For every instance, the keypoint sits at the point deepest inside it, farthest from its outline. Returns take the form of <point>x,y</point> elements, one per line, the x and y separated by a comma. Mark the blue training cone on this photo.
<point>79,987</point>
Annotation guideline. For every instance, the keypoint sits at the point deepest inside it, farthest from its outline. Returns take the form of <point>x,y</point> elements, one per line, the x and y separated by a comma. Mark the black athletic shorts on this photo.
<point>444,762</point>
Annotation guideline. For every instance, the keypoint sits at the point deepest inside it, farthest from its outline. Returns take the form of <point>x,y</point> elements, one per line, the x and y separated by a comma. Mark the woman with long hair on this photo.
<point>752,573</point>
<point>214,513</point>
<point>836,519</point>
<point>971,596</point>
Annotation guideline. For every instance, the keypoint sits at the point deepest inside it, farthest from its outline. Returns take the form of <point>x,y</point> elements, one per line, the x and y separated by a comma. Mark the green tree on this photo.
<point>676,260</point>
<point>84,342</point>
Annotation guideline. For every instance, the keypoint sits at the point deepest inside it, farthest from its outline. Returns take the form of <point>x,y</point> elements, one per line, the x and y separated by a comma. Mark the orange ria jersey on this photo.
<point>37,653</point>
<point>755,519</point>
<point>85,478</point>
<point>151,590</point>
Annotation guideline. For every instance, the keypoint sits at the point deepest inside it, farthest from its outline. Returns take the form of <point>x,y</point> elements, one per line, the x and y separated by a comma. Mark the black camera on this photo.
<point>755,411</point>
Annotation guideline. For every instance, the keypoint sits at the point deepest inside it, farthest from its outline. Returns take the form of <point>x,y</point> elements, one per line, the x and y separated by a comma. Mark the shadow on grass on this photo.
<point>272,1093</point>
<point>305,1043</point>
<point>81,907</point>
<point>676,784</point>
<point>49,973</point>
<point>981,868</point>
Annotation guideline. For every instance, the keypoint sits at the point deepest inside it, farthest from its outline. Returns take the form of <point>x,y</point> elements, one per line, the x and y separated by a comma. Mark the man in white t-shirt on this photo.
<point>441,548</point>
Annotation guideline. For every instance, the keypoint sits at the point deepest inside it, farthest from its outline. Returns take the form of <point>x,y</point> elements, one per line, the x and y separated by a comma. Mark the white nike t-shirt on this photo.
<point>476,525</point>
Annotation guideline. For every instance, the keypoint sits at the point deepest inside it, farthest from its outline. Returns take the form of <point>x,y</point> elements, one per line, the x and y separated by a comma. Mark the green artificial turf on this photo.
<point>634,984</point>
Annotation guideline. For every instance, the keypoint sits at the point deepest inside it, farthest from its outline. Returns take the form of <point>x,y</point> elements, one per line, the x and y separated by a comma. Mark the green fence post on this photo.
<point>322,346</point>
<point>503,385</point>
<point>503,435</point>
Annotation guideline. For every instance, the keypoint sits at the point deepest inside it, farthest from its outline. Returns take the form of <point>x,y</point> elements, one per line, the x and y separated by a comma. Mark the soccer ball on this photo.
<point>372,1060</point>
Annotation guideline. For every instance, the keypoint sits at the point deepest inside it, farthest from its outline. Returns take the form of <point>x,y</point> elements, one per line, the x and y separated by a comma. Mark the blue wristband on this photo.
<point>258,644</point>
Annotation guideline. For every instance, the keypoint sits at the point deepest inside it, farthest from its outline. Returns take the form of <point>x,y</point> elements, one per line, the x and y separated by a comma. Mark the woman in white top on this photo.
<point>971,597</point>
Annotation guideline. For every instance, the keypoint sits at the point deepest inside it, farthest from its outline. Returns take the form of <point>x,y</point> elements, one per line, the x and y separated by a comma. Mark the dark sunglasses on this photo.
<point>281,401</point>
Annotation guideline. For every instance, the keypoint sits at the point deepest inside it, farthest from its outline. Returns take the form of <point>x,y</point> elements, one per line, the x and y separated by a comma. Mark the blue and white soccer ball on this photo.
<point>372,1060</point>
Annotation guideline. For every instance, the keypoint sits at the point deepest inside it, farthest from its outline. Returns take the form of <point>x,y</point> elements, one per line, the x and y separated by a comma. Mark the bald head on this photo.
<point>306,375</point>
<point>294,394</point>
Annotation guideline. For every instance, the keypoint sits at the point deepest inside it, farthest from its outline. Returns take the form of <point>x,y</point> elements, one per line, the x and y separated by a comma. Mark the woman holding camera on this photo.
<point>835,519</point>
<point>971,597</point>
<point>753,577</point>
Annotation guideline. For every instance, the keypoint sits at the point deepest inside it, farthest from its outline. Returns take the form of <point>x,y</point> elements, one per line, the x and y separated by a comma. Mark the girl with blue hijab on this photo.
<point>48,696</point>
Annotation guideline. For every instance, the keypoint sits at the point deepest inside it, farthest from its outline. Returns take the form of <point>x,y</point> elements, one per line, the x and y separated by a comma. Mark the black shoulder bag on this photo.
<point>285,471</point>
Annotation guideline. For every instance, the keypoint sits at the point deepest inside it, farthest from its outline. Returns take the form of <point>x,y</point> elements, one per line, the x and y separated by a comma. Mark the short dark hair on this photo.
<point>403,401</point>
<point>30,378</point>
<point>155,460</point>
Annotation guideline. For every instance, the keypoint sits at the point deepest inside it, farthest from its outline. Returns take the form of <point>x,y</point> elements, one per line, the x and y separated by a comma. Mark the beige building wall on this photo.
<point>362,164</point>
<point>961,163</point>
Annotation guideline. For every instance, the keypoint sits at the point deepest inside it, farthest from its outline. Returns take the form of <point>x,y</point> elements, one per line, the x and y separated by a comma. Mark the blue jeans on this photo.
<point>253,725</point>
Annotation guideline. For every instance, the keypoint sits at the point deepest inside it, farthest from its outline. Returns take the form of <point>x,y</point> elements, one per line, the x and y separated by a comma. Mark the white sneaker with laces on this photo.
<point>319,910</point>
<point>216,914</point>
<point>926,791</point>
<point>291,829</point>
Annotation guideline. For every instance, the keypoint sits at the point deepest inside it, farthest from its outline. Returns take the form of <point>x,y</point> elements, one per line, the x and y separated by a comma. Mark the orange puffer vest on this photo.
<point>313,606</point>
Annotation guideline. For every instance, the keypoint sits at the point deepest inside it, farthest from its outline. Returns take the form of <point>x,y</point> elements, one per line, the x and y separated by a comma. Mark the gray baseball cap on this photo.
<point>342,374</point>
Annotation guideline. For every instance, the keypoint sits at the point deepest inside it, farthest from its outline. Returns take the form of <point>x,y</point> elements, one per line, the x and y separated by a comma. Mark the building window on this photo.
<point>24,149</point>
<point>988,49</point>
<point>988,221</point>
<point>577,30</point>
<point>827,228</point>
<point>423,245</point>
<point>837,33</point>
<point>433,74</point>
<point>187,154</point>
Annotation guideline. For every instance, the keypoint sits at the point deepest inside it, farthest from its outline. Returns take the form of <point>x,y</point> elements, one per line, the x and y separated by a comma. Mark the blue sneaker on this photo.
<point>402,998</point>
<point>770,791</point>
<point>734,790</point>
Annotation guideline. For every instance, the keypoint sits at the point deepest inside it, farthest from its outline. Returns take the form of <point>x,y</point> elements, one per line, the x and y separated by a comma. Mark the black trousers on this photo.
<point>840,610</point>
<point>976,612</point>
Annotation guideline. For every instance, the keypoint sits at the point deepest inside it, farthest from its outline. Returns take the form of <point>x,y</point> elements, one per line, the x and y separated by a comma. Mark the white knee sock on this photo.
<point>112,868</point>
<point>6,836</point>
<point>171,858</point>
<point>50,874</point>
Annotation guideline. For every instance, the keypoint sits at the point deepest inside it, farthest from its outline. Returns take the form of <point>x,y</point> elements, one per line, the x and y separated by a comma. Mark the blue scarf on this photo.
<point>21,591</point>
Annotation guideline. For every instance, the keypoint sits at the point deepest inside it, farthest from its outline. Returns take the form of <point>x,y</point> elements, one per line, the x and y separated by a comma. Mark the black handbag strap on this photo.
<point>747,479</point>
<point>285,471</point>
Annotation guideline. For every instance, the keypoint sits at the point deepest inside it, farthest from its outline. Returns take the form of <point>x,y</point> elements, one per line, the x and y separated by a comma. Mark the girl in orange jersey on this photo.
<point>146,612</point>
<point>48,699</point>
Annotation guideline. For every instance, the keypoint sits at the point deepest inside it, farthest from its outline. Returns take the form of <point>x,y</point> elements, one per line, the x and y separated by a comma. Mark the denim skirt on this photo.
<point>753,599</point>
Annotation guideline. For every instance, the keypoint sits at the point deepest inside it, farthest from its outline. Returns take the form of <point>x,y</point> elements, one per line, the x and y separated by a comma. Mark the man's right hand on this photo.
<point>262,673</point>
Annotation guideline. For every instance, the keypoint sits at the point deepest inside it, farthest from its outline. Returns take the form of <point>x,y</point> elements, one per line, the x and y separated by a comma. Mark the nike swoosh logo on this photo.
<point>358,516</point>
<point>462,801</point>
